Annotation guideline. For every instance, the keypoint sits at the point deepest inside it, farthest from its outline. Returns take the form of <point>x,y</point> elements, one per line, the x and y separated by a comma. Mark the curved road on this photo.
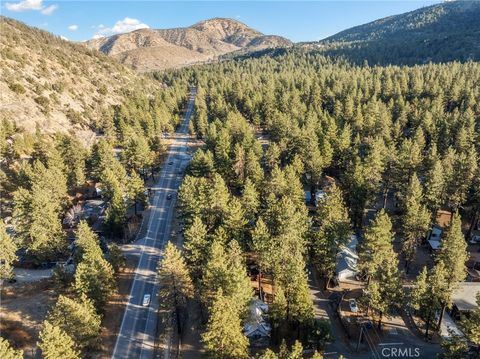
<point>136,337</point>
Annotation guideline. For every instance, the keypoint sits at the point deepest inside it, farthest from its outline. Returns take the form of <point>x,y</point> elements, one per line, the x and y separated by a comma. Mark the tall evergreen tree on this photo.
<point>333,231</point>
<point>94,276</point>
<point>78,319</point>
<point>223,337</point>
<point>453,253</point>
<point>56,344</point>
<point>136,190</point>
<point>175,283</point>
<point>38,208</point>
<point>7,352</point>
<point>196,247</point>
<point>415,221</point>
<point>8,253</point>
<point>225,270</point>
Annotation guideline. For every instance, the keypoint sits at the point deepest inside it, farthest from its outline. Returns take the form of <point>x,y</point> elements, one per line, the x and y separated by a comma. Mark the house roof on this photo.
<point>449,327</point>
<point>262,329</point>
<point>434,244</point>
<point>256,324</point>
<point>465,296</point>
<point>347,257</point>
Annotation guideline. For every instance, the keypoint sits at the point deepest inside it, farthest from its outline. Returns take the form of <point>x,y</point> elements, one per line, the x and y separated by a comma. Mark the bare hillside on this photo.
<point>150,49</point>
<point>55,84</point>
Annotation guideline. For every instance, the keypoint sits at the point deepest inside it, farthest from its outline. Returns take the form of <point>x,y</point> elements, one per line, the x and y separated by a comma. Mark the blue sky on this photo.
<point>296,20</point>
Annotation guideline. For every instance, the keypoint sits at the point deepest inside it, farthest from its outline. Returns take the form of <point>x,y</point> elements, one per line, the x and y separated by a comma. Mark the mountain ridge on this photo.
<point>442,32</point>
<point>157,49</point>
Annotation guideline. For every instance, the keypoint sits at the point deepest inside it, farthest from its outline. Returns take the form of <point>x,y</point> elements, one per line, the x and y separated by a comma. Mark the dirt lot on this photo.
<point>22,310</point>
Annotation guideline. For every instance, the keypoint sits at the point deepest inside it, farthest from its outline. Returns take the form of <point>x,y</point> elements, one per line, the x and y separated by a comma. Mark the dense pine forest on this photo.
<point>294,156</point>
<point>405,135</point>
<point>448,31</point>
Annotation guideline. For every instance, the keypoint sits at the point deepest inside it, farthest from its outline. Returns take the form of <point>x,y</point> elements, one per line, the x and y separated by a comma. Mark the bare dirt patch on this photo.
<point>23,308</point>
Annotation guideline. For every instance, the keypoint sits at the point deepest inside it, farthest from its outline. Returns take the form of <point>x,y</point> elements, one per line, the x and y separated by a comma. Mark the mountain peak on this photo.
<point>203,41</point>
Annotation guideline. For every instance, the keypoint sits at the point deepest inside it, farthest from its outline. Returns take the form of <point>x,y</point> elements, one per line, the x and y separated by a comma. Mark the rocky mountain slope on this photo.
<point>439,33</point>
<point>150,49</point>
<point>58,85</point>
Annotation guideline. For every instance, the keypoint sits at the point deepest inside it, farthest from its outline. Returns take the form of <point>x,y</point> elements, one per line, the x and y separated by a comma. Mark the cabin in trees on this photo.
<point>434,236</point>
<point>257,329</point>
<point>464,299</point>
<point>346,263</point>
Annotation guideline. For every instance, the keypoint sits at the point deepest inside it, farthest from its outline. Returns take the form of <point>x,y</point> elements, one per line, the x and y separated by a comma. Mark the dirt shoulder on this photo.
<point>112,319</point>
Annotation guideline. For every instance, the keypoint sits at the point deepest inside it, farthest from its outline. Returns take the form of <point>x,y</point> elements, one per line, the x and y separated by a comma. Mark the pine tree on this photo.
<point>377,246</point>
<point>385,288</point>
<point>7,254</point>
<point>471,324</point>
<point>116,214</point>
<point>136,190</point>
<point>235,221</point>
<point>223,337</point>
<point>74,155</point>
<point>56,344</point>
<point>7,352</point>
<point>453,253</point>
<point>196,247</point>
<point>78,319</point>
<point>253,169</point>
<point>250,200</point>
<point>261,245</point>
<point>38,208</point>
<point>225,270</point>
<point>435,187</point>
<point>94,276</point>
<point>101,159</point>
<point>415,221</point>
<point>86,242</point>
<point>268,354</point>
<point>137,155</point>
<point>378,259</point>
<point>175,283</point>
<point>202,164</point>
<point>428,293</point>
<point>333,231</point>
<point>116,257</point>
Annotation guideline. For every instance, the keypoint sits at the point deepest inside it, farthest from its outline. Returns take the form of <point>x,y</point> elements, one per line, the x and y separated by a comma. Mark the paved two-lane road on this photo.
<point>136,337</point>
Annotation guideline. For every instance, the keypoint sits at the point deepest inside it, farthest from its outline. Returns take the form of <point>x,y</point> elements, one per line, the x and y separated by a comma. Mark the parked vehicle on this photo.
<point>353,305</point>
<point>475,239</point>
<point>146,300</point>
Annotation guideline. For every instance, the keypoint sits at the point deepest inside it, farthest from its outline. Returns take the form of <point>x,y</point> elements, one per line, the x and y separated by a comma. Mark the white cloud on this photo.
<point>73,27</point>
<point>27,5</point>
<point>97,36</point>
<point>126,25</point>
<point>24,5</point>
<point>49,10</point>
<point>64,38</point>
